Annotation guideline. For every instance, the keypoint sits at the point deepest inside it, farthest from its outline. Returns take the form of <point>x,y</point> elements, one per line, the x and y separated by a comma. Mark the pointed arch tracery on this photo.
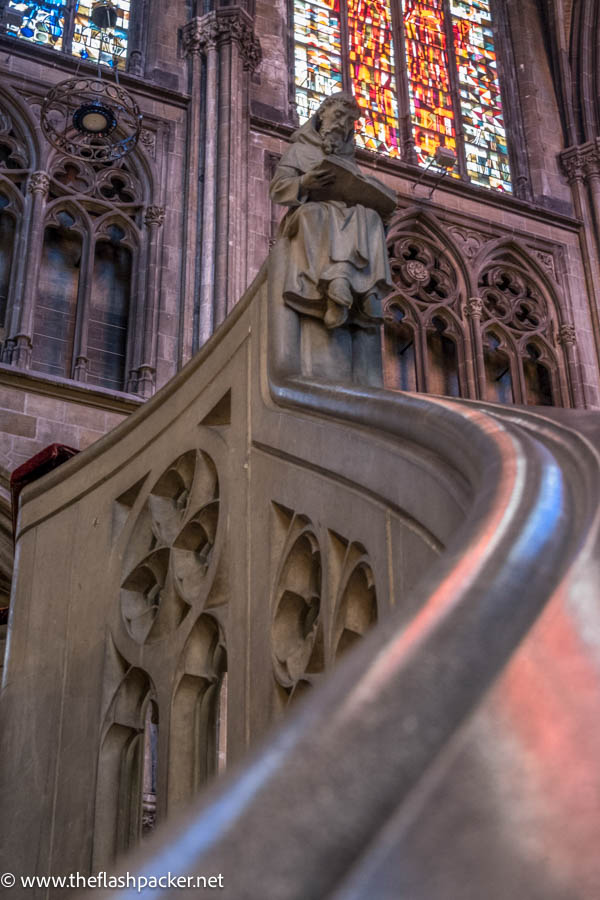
<point>485,329</point>
<point>519,320</point>
<point>127,764</point>
<point>424,349</point>
<point>78,300</point>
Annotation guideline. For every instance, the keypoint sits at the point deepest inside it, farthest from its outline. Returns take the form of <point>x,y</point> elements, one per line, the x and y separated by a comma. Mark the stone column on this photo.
<point>207,263</point>
<point>239,54</point>
<point>567,339</point>
<point>473,309</point>
<point>215,268</point>
<point>146,372</point>
<point>18,346</point>
<point>576,165</point>
<point>193,37</point>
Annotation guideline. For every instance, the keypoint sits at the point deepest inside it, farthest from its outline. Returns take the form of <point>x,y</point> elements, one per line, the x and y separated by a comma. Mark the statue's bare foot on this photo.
<point>335,315</point>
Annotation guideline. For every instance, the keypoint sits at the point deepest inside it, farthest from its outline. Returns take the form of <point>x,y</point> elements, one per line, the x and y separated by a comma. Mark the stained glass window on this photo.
<point>106,45</point>
<point>429,85</point>
<point>452,85</point>
<point>372,72</point>
<point>318,53</point>
<point>42,23</point>
<point>46,23</point>
<point>481,105</point>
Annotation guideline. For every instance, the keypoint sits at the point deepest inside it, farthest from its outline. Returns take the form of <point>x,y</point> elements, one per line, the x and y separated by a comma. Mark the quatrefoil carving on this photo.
<point>171,548</point>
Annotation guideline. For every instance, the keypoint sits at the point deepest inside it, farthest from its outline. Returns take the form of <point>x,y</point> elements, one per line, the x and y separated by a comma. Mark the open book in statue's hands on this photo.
<point>348,185</point>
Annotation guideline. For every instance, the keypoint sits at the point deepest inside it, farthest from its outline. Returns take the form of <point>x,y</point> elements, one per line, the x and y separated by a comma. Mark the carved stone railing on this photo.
<point>259,518</point>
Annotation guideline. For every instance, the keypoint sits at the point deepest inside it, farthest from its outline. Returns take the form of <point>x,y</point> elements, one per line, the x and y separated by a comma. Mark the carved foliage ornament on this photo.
<point>39,183</point>
<point>582,162</point>
<point>155,215</point>
<point>207,32</point>
<point>171,548</point>
<point>567,335</point>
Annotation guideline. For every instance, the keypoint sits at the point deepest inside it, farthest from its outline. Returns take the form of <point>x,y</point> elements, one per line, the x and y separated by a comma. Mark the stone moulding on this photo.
<point>474,517</point>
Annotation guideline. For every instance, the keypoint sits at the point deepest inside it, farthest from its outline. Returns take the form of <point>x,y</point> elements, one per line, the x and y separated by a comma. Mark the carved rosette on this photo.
<point>155,216</point>
<point>207,32</point>
<point>39,183</point>
<point>170,552</point>
<point>422,271</point>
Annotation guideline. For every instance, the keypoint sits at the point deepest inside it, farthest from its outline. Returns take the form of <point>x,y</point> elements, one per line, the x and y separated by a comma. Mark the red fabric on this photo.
<point>43,462</point>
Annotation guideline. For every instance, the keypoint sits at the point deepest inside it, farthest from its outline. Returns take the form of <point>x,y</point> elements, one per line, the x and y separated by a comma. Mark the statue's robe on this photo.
<point>329,239</point>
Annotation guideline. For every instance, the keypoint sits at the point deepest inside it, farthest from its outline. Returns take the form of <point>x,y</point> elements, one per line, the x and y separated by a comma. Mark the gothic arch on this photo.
<point>432,280</point>
<point>585,69</point>
<point>519,302</point>
<point>121,764</point>
<point>423,224</point>
<point>23,122</point>
<point>196,714</point>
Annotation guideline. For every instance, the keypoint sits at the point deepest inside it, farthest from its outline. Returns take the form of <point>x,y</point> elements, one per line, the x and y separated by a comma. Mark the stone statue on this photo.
<point>337,268</point>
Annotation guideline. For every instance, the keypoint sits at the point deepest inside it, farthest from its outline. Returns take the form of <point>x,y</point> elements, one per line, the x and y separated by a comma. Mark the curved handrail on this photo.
<point>292,820</point>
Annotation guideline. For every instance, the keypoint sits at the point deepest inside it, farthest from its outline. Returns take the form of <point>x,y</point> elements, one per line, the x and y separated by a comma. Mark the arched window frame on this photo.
<point>510,256</point>
<point>198,724</point>
<point>420,246</point>
<point>15,210</point>
<point>431,280</point>
<point>455,332</point>
<point>410,320</point>
<point>508,86</point>
<point>81,226</point>
<point>18,134</point>
<point>41,190</point>
<point>120,774</point>
<point>506,346</point>
<point>132,241</point>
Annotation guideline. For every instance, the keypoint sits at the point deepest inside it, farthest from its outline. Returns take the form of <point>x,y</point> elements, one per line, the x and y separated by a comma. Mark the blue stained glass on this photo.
<point>41,23</point>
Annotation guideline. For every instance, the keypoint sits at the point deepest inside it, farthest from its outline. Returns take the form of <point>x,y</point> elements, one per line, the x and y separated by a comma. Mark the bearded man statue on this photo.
<point>337,269</point>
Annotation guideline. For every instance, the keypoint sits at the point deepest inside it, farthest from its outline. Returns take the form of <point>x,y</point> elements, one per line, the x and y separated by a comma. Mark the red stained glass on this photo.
<point>372,72</point>
<point>427,61</point>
